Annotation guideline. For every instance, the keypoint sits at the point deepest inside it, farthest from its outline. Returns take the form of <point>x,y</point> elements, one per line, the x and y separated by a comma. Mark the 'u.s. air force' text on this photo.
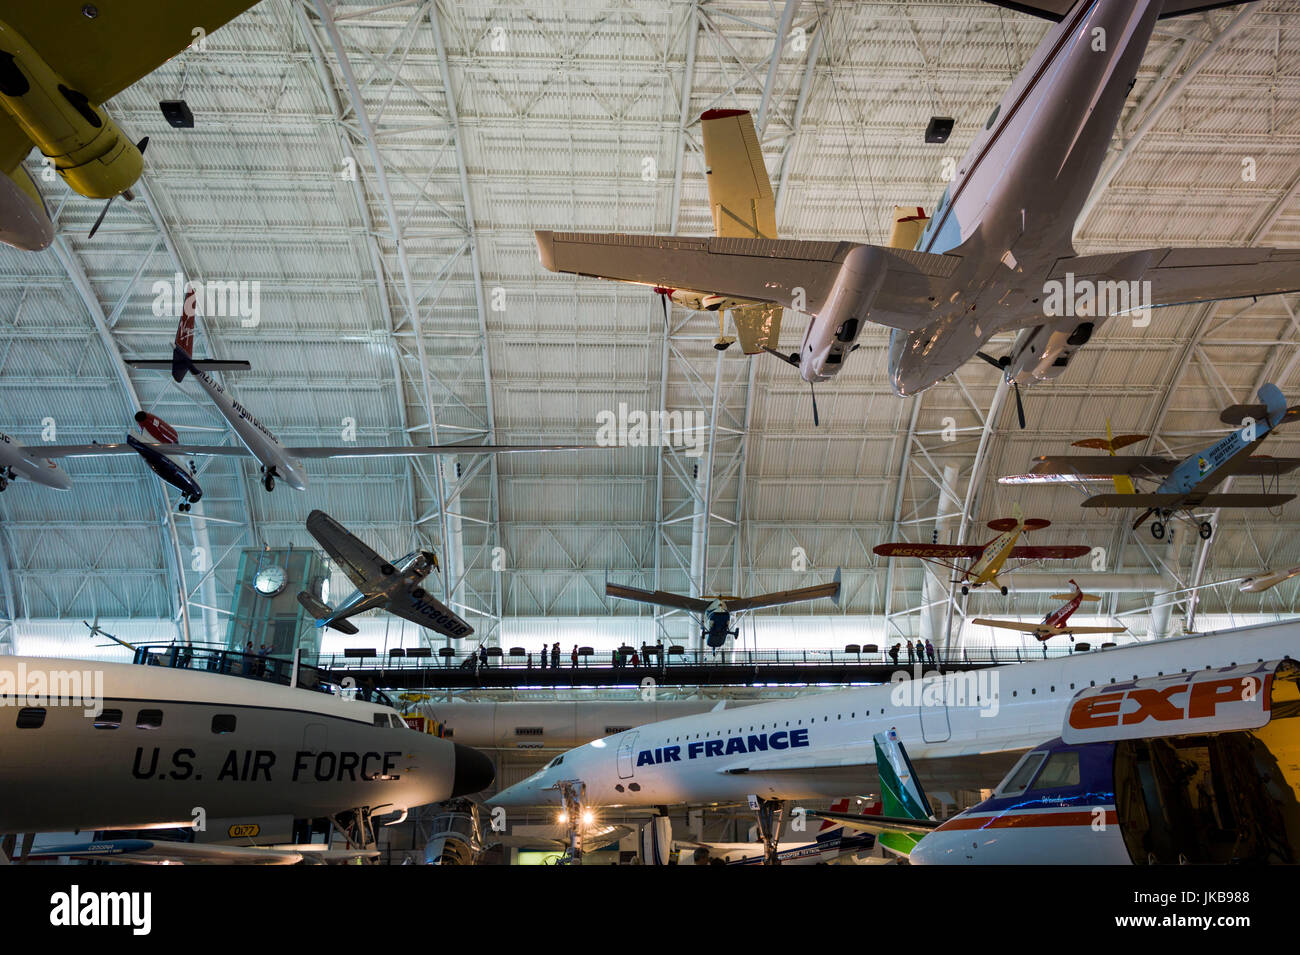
<point>705,748</point>
<point>251,765</point>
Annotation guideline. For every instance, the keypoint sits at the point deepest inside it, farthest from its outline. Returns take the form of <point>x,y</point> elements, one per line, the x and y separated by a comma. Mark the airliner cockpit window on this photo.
<point>555,762</point>
<point>1060,771</point>
<point>1019,779</point>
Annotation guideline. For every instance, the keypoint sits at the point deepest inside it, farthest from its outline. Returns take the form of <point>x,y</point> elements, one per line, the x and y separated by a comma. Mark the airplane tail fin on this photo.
<point>323,614</point>
<point>1274,402</point>
<point>183,348</point>
<point>901,795</point>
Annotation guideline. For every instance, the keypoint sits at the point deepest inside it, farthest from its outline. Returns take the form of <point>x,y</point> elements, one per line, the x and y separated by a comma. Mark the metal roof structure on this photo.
<point>369,176</point>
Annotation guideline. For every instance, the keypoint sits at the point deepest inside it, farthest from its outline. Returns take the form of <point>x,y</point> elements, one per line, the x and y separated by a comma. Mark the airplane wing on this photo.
<point>788,272</point>
<point>1187,500</point>
<point>925,551</point>
<point>873,823</point>
<point>363,566</point>
<point>102,56</point>
<point>1065,552</point>
<point>421,607</point>
<point>1265,465</point>
<point>756,326</point>
<point>1096,465</point>
<point>660,598</point>
<point>1009,625</point>
<point>1073,629</point>
<point>784,597</point>
<point>100,450</point>
<point>161,851</point>
<point>740,192</point>
<point>1188,275</point>
<point>399,451</point>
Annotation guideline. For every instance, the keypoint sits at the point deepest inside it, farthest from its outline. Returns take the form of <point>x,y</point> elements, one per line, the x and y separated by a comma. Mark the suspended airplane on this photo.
<point>276,460</point>
<point>997,254</point>
<point>97,631</point>
<point>38,465</point>
<point>986,560</point>
<point>961,736</point>
<point>393,587</point>
<point>716,611</point>
<point>1055,623</point>
<point>61,63</point>
<point>1267,580</point>
<point>1187,768</point>
<point>1185,485</point>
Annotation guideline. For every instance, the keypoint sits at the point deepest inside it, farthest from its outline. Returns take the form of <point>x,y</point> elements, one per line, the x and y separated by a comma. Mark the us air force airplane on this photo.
<point>111,746</point>
<point>393,587</point>
<point>963,730</point>
<point>997,253</point>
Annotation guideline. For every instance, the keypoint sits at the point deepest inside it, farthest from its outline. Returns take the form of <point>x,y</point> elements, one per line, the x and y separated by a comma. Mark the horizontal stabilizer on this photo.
<point>320,612</point>
<point>872,823</point>
<point>206,364</point>
<point>1188,500</point>
<point>1055,10</point>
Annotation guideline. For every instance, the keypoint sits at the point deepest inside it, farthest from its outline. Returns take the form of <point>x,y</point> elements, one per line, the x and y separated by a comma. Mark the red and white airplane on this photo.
<point>1055,623</point>
<point>987,560</point>
<point>1185,768</point>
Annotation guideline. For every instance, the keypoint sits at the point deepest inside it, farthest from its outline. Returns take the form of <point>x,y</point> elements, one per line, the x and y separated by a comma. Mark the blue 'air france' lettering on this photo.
<point>707,748</point>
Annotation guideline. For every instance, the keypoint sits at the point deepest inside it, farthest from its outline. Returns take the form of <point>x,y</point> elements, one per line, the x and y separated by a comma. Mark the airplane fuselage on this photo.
<point>718,757</point>
<point>261,443</point>
<point>170,740</point>
<point>16,461</point>
<point>1010,209</point>
<point>986,566</point>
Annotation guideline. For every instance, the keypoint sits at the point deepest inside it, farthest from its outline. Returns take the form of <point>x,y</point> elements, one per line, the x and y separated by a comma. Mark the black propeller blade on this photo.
<point>817,423</point>
<point>142,145</point>
<point>1002,364</point>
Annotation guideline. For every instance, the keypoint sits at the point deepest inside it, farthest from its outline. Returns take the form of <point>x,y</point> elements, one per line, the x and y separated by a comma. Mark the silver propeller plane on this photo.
<point>395,587</point>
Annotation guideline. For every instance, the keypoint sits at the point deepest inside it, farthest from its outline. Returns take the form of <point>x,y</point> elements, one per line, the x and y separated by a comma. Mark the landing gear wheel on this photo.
<point>1004,591</point>
<point>1205,530</point>
<point>1157,530</point>
<point>268,482</point>
<point>183,506</point>
<point>4,483</point>
<point>964,590</point>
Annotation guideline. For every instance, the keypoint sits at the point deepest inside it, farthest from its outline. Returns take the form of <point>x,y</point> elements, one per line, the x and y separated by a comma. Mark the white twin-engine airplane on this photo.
<point>998,247</point>
<point>964,731</point>
<point>278,462</point>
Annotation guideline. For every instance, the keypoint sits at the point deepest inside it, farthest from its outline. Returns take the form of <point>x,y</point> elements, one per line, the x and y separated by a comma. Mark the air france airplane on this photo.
<point>997,254</point>
<point>101,746</point>
<point>963,731</point>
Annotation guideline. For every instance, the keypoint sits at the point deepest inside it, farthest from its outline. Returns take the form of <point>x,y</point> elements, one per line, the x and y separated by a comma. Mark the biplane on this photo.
<point>1184,486</point>
<point>986,560</point>
<point>716,611</point>
<point>1055,623</point>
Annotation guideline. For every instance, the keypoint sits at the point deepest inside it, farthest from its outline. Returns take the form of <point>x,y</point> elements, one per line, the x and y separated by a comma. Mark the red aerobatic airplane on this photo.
<point>1055,623</point>
<point>986,559</point>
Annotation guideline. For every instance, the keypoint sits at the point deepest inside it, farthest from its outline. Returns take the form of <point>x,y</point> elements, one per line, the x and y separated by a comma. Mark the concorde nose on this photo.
<point>474,771</point>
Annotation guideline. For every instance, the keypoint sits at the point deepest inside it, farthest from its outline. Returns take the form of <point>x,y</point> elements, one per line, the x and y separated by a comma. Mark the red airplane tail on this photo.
<point>183,351</point>
<point>155,426</point>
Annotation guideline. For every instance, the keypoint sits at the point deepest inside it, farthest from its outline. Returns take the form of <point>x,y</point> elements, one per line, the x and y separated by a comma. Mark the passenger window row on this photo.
<point>33,718</point>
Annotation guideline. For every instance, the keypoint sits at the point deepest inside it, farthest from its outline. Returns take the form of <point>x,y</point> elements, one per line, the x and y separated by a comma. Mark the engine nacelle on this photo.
<point>90,151</point>
<point>1042,353</point>
<point>834,332</point>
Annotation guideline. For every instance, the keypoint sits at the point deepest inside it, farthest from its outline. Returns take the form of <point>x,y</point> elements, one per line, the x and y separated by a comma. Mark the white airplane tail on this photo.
<point>324,615</point>
<point>183,360</point>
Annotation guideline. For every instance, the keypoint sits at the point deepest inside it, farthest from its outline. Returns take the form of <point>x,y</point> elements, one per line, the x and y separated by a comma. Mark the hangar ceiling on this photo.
<point>378,170</point>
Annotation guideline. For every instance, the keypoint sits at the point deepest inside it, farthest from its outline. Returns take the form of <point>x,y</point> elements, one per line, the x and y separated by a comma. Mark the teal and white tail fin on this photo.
<point>901,795</point>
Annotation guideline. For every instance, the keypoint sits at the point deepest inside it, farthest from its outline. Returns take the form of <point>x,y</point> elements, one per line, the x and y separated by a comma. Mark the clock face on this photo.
<point>270,580</point>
